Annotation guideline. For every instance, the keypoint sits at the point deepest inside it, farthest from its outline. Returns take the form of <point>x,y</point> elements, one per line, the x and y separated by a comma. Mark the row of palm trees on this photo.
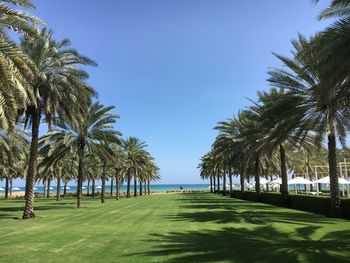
<point>42,81</point>
<point>307,103</point>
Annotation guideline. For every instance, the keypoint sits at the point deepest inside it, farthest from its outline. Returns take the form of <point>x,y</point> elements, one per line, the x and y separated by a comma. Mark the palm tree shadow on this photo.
<point>261,244</point>
<point>237,211</point>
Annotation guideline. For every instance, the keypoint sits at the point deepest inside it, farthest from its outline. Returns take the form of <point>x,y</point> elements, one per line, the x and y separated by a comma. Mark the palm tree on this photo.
<point>61,94</point>
<point>83,138</point>
<point>91,171</point>
<point>119,167</point>
<point>282,126</point>
<point>107,157</point>
<point>16,68</point>
<point>324,104</point>
<point>151,174</point>
<point>205,171</point>
<point>13,156</point>
<point>147,170</point>
<point>134,151</point>
<point>331,45</point>
<point>209,168</point>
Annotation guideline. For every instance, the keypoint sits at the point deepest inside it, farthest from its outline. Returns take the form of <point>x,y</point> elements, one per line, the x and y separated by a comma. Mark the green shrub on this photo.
<point>314,204</point>
<point>308,203</point>
<point>250,196</point>
<point>237,194</point>
<point>345,208</point>
<point>272,198</point>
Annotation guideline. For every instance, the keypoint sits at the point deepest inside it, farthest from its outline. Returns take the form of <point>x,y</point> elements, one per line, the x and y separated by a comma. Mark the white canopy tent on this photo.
<point>275,184</point>
<point>277,181</point>
<point>299,181</point>
<point>326,180</point>
<point>263,181</point>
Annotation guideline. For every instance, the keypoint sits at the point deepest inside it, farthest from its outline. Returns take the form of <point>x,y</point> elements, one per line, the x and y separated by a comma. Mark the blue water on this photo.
<point>154,188</point>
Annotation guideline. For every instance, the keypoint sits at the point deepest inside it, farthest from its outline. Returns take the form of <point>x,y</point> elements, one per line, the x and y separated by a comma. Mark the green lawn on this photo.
<point>170,228</point>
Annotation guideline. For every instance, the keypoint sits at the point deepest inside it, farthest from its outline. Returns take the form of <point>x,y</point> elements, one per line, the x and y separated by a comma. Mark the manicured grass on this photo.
<point>170,228</point>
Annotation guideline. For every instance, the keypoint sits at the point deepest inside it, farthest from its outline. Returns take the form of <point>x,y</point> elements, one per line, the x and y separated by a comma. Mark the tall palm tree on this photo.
<point>134,151</point>
<point>204,171</point>
<point>119,167</point>
<point>13,156</point>
<point>60,90</point>
<point>107,157</point>
<point>324,103</point>
<point>17,70</point>
<point>282,126</point>
<point>83,138</point>
<point>209,168</point>
<point>332,44</point>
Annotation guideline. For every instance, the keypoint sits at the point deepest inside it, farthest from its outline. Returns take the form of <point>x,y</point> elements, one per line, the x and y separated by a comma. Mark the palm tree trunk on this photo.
<point>140,182</point>
<point>128,186</point>
<point>231,188</point>
<point>103,183</point>
<point>144,187</point>
<point>211,184</point>
<point>65,188</point>
<point>334,184</point>
<point>10,186</point>
<point>28,212</point>
<point>44,188</point>
<point>224,185</point>
<point>148,187</point>
<point>111,192</point>
<point>117,184</point>
<point>6,187</point>
<point>80,177</point>
<point>135,186</point>
<point>93,188</point>
<point>58,190</point>
<point>88,187</point>
<point>48,187</point>
<point>218,184</point>
<point>214,183</point>
<point>257,176</point>
<point>242,178</point>
<point>284,178</point>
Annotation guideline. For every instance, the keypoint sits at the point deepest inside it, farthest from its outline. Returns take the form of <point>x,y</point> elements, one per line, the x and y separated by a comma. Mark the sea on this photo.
<point>154,188</point>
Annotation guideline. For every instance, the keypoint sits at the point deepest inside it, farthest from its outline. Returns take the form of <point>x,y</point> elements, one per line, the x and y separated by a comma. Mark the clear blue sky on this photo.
<point>174,68</point>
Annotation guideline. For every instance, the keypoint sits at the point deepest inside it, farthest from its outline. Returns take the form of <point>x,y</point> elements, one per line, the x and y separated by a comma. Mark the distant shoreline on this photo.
<point>123,188</point>
<point>20,194</point>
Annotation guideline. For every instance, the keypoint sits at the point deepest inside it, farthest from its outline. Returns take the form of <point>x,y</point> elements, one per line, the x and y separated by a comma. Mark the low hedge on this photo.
<point>308,203</point>
<point>345,207</point>
<point>237,194</point>
<point>272,198</point>
<point>246,195</point>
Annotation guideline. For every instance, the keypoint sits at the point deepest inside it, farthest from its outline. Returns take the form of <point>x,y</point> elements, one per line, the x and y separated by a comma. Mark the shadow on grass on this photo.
<point>261,244</point>
<point>8,212</point>
<point>222,210</point>
<point>257,241</point>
